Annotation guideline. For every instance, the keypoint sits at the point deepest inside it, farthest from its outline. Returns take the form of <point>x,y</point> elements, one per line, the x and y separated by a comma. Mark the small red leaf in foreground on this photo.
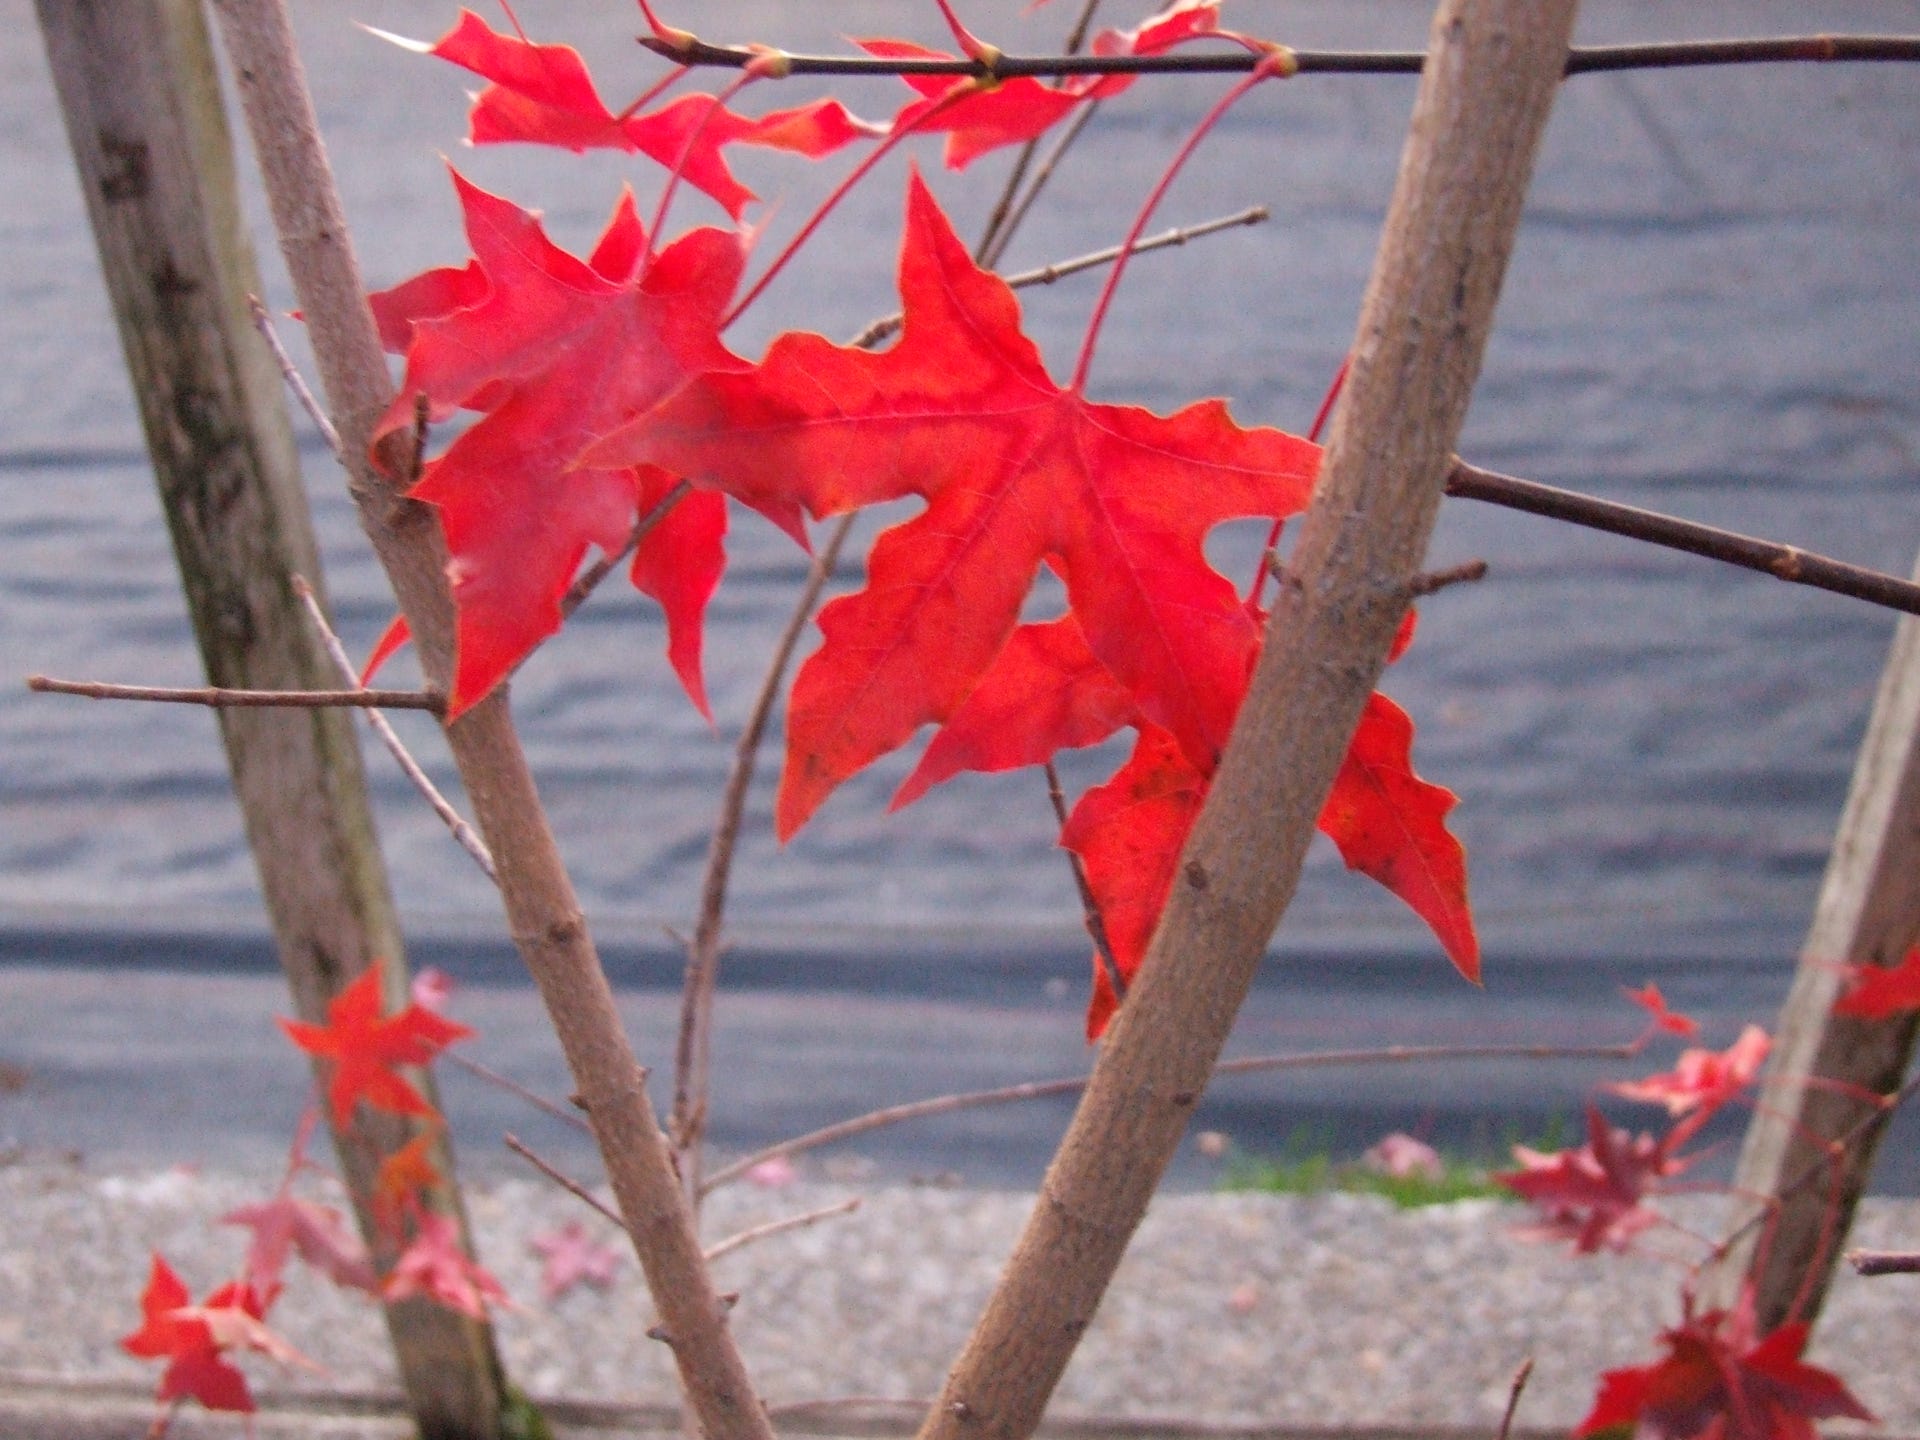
<point>436,1266</point>
<point>1654,1003</point>
<point>193,1338</point>
<point>1878,991</point>
<point>1721,1379</point>
<point>1701,1081</point>
<point>572,1258</point>
<point>1590,1196</point>
<point>365,1045</point>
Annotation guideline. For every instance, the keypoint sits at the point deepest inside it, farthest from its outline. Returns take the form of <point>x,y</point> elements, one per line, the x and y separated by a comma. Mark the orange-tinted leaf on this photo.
<point>1878,991</point>
<point>1654,1003</point>
<point>401,1179</point>
<point>365,1045</point>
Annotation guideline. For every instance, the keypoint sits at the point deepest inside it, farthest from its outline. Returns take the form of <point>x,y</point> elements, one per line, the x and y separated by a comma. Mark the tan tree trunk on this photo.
<point>1488,86</point>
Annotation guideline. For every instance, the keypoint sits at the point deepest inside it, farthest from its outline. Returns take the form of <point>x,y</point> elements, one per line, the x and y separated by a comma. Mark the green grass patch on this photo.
<point>1305,1166</point>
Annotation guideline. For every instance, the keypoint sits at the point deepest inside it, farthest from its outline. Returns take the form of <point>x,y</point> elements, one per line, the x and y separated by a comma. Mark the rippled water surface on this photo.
<point>1715,310</point>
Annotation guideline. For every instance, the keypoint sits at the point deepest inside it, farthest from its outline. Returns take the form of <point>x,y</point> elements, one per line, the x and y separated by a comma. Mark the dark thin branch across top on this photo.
<point>1581,60</point>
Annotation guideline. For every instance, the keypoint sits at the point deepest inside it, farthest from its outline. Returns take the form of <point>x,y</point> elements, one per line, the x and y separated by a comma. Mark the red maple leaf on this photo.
<point>1721,1379</point>
<point>1701,1081</point>
<point>1046,692</point>
<point>436,1266</point>
<point>553,351</point>
<point>543,95</point>
<point>365,1045</point>
<point>1877,991</point>
<point>1591,1195</point>
<point>194,1339</point>
<point>1010,113</point>
<point>1017,471</point>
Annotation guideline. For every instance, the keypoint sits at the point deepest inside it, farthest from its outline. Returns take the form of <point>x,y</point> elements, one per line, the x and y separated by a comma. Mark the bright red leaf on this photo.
<point>543,95</point>
<point>365,1045</point>
<point>194,1339</point>
<point>1591,1195</point>
<point>1723,1380</point>
<point>1016,472</point>
<point>556,352</point>
<point>1878,991</point>
<point>1046,692</point>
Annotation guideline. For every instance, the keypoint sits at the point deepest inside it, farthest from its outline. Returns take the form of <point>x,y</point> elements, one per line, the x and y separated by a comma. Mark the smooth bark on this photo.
<point>542,910</point>
<point>1484,99</point>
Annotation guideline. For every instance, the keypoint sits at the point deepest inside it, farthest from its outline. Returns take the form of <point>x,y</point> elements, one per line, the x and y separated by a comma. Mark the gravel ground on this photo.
<point>1232,1309</point>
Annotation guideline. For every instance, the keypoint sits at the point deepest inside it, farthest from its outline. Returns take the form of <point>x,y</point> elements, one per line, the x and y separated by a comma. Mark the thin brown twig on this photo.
<point>290,372</point>
<point>1072,1085</point>
<point>692,1055</point>
<point>1885,1262</point>
<point>589,579</point>
<point>1814,1169</point>
<point>464,834</point>
<point>1041,179</point>
<point>422,417</point>
<point>1048,274</point>
<point>1520,1378</point>
<point>1432,582</point>
<point>1783,562</point>
<point>559,1177</point>
<point>1089,906</point>
<point>514,1087</point>
<point>216,698</point>
<point>780,1227</point>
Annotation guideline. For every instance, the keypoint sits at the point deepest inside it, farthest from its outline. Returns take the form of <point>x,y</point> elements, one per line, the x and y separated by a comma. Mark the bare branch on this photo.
<point>1074,1084</point>
<point>1885,1262</point>
<point>464,834</point>
<point>1432,582</point>
<point>1060,269</point>
<point>263,322</point>
<point>590,578</point>
<point>692,1053</point>
<point>216,698</point>
<point>1783,562</point>
<point>1041,179</point>
<point>780,1227</point>
<point>559,1177</point>
<point>514,1087</point>
<point>1514,1392</point>
<point>1581,60</point>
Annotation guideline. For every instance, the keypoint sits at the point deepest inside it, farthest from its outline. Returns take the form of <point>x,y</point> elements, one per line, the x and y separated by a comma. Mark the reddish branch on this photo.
<point>1884,1262</point>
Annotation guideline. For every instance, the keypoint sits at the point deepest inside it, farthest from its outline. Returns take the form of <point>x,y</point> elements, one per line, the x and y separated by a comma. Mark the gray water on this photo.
<point>1713,311</point>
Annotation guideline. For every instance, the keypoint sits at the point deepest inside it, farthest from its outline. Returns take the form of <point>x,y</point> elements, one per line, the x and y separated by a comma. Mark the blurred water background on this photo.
<point>1713,311</point>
